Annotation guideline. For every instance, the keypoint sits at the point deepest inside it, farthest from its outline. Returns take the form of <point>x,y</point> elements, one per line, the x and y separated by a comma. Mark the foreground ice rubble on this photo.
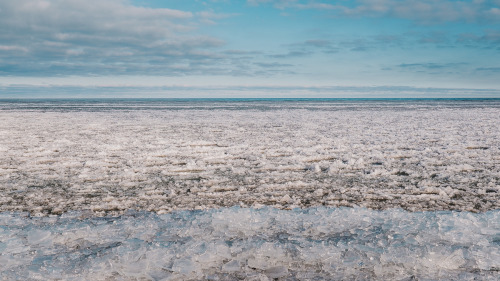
<point>440,156</point>
<point>253,244</point>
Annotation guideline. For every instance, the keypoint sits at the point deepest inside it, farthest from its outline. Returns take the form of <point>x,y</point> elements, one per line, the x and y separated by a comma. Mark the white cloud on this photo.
<point>209,17</point>
<point>57,37</point>
<point>423,11</point>
<point>494,12</point>
<point>257,2</point>
<point>13,48</point>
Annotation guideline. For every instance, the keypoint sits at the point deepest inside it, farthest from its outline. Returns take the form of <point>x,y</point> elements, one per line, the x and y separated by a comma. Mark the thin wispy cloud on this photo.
<point>430,65</point>
<point>489,69</point>
<point>422,11</point>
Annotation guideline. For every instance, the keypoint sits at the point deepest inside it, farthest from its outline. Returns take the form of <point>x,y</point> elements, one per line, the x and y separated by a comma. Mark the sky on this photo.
<point>249,48</point>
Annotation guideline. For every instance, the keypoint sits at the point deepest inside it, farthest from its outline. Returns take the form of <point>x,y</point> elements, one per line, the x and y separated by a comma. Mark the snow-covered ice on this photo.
<point>253,244</point>
<point>110,157</point>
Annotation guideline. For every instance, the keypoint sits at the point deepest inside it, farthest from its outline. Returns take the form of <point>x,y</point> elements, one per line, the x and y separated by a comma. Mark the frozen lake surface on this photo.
<point>250,189</point>
<point>109,156</point>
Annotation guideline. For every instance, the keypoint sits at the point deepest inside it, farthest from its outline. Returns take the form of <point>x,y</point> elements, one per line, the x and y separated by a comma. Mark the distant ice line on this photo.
<point>108,162</point>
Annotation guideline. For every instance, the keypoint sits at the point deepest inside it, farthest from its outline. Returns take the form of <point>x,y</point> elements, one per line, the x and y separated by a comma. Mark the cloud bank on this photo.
<point>94,37</point>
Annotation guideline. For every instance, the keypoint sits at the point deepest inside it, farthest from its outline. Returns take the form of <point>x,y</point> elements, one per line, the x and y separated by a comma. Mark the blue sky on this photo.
<point>253,48</point>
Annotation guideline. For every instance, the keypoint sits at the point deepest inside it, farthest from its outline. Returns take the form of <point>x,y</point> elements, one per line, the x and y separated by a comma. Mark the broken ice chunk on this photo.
<point>276,272</point>
<point>231,266</point>
<point>314,168</point>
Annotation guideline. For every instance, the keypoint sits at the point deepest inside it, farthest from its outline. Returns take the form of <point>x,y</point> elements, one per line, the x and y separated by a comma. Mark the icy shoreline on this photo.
<point>253,244</point>
<point>415,156</point>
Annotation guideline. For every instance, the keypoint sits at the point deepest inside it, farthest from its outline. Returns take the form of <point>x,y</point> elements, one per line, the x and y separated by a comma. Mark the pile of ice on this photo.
<point>253,244</point>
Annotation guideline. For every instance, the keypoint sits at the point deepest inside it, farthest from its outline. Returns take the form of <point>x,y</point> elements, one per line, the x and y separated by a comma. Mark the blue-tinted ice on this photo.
<point>253,244</point>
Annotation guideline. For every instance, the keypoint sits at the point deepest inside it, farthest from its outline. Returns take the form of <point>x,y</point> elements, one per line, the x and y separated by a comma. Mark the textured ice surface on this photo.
<point>108,157</point>
<point>253,244</point>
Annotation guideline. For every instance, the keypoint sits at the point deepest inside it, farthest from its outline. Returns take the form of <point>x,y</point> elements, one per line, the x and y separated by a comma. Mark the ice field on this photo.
<point>108,157</point>
<point>250,189</point>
